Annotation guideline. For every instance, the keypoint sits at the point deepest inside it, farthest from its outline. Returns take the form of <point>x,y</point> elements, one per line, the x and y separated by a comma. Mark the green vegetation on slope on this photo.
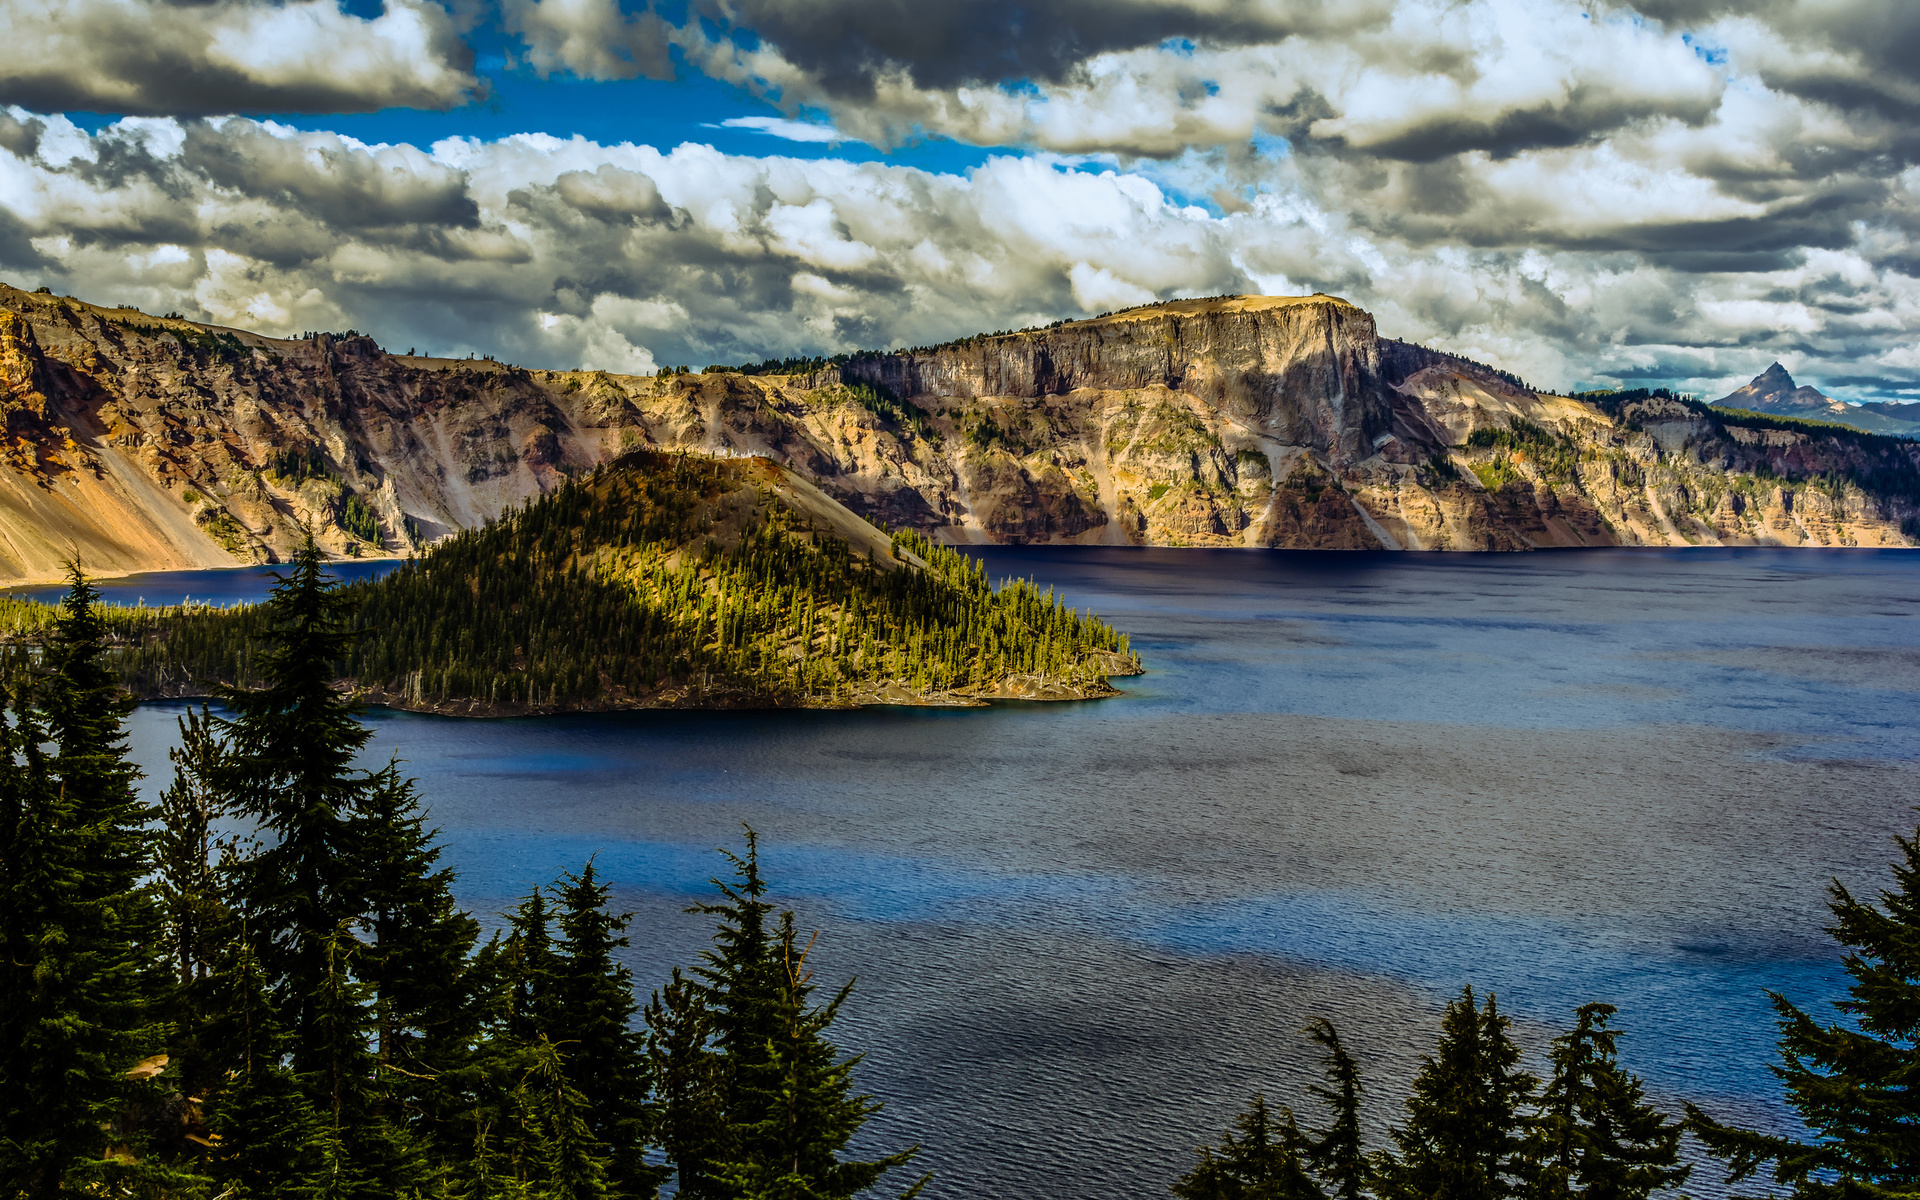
<point>665,579</point>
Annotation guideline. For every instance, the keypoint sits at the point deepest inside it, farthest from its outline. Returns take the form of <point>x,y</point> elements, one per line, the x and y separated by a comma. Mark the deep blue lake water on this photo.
<point>1350,783</point>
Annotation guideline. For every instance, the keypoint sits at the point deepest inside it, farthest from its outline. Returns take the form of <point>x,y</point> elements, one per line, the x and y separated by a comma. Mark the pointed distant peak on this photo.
<point>1775,372</point>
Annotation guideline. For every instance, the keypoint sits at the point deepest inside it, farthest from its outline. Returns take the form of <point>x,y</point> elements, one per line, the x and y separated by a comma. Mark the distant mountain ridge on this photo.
<point>143,443</point>
<point>1773,391</point>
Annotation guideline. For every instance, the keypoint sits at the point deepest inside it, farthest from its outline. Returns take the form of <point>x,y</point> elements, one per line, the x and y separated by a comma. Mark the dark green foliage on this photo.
<point>188,885</point>
<point>739,981</point>
<point>1265,1161</point>
<point>80,935</point>
<point>1554,456</point>
<point>689,1079</point>
<point>795,1112</point>
<point>184,850</point>
<point>1336,1155</point>
<point>901,414</point>
<point>615,587</point>
<point>351,951</point>
<point>983,433</point>
<point>301,464</point>
<point>1852,1083</point>
<point>416,959</point>
<point>1595,1137</point>
<point>1463,1133</point>
<point>359,520</point>
<point>591,1021</point>
<point>355,515</point>
<point>1614,402</point>
<point>289,769</point>
<point>790,366</point>
<point>266,1139</point>
<point>530,966</point>
<point>335,1033</point>
<point>786,1098</point>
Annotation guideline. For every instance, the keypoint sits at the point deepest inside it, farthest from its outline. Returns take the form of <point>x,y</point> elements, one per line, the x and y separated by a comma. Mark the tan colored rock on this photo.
<point>140,443</point>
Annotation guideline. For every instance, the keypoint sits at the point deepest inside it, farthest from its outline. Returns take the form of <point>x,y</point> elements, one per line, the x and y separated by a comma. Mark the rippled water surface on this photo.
<point>1084,933</point>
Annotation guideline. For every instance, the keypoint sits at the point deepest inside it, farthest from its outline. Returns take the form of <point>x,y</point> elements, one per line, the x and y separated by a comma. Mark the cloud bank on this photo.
<point>565,252</point>
<point>149,57</point>
<point>1677,191</point>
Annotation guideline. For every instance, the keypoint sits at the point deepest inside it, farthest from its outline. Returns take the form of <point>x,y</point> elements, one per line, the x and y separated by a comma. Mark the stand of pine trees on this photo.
<point>664,573</point>
<point>1479,1127</point>
<point>300,1009</point>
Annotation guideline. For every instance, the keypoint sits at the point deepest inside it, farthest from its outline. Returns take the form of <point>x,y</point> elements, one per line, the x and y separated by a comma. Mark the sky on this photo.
<point>1669,193</point>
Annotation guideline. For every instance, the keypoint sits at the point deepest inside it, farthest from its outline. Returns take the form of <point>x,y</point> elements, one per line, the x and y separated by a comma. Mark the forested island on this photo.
<point>663,580</point>
<point>301,1009</point>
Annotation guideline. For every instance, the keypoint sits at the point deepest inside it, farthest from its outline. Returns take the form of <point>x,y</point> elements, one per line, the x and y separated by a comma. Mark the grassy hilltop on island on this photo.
<point>662,581</point>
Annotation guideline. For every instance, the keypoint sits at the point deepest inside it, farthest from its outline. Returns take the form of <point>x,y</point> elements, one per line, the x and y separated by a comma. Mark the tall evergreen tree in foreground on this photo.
<point>300,1010</point>
<point>592,1022</point>
<point>1337,1154</point>
<point>345,987</point>
<point>289,769</point>
<point>1595,1137</point>
<point>783,1091</point>
<point>1855,1085</point>
<point>1462,1136</point>
<point>187,882</point>
<point>80,1038</point>
<point>1267,1160</point>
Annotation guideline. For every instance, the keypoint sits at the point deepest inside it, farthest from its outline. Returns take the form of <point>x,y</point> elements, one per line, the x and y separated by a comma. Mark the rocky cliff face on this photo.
<point>140,443</point>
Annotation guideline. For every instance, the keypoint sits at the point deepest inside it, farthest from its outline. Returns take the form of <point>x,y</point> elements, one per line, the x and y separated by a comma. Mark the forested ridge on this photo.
<point>663,580</point>
<point>262,987</point>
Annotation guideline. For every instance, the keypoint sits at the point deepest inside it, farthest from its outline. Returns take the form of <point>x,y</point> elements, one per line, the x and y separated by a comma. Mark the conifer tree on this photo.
<point>1594,1136</point>
<point>529,966</point>
<point>79,932</point>
<point>349,926</point>
<point>1336,1155</point>
<point>187,881</point>
<point>792,1121</point>
<point>289,768</point>
<point>592,1025</point>
<point>1266,1161</point>
<point>785,1095</point>
<point>1852,1084</point>
<point>689,1076</point>
<point>1462,1136</point>
<point>418,960</point>
<point>184,851</point>
<point>572,1162</point>
<point>740,992</point>
<point>267,1139</point>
